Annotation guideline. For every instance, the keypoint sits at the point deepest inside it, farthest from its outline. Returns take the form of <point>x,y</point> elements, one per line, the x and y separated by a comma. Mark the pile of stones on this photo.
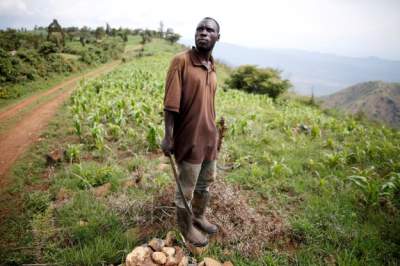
<point>165,252</point>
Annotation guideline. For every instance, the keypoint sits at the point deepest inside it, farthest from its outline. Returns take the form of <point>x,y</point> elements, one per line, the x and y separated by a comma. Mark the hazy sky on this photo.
<point>343,27</point>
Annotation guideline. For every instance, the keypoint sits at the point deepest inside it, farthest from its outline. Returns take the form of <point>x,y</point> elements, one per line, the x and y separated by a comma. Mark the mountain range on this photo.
<point>321,73</point>
<point>377,100</point>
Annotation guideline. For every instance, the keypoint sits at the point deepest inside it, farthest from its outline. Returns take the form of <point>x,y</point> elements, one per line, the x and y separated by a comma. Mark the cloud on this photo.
<point>17,7</point>
<point>348,27</point>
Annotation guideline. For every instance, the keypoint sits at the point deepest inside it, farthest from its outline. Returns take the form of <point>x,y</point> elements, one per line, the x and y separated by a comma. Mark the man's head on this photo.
<point>207,34</point>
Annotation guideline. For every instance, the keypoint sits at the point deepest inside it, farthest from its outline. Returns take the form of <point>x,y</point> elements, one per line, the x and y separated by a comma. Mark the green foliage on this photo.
<point>391,189</point>
<point>11,40</point>
<point>57,39</point>
<point>7,69</point>
<point>36,202</point>
<point>90,234</point>
<point>88,175</point>
<point>73,152</point>
<point>171,36</point>
<point>99,33</point>
<point>258,80</point>
<point>32,64</point>
<point>335,187</point>
<point>117,109</point>
<point>102,52</point>
<point>47,48</point>
<point>370,188</point>
<point>146,36</point>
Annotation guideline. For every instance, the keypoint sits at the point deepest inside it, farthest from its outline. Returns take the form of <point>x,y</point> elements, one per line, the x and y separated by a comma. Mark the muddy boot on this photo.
<point>191,234</point>
<point>199,204</point>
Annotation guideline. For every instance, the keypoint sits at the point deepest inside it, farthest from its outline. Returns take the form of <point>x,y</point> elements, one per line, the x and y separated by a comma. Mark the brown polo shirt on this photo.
<point>190,91</point>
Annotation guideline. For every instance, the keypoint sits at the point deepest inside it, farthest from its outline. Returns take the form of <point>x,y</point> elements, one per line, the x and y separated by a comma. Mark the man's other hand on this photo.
<point>167,146</point>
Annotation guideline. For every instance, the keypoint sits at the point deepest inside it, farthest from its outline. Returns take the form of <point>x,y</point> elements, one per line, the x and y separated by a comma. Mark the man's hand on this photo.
<point>167,146</point>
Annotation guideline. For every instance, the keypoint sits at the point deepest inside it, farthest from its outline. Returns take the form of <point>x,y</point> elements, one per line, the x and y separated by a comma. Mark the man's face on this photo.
<point>206,35</point>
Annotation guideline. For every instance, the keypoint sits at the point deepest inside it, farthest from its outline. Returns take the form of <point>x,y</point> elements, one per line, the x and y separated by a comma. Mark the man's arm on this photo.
<point>167,144</point>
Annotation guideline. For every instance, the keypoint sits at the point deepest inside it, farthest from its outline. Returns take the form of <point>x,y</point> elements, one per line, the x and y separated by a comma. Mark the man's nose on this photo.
<point>203,32</point>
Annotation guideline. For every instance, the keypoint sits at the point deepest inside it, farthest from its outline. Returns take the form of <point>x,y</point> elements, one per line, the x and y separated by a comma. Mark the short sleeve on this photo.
<point>173,87</point>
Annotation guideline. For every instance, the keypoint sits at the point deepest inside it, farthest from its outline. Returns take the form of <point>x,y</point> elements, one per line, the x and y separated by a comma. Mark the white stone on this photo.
<point>159,257</point>
<point>137,256</point>
<point>168,251</point>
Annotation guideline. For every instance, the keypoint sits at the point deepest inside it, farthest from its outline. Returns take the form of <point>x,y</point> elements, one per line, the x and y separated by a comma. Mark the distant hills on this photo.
<point>322,73</point>
<point>377,100</point>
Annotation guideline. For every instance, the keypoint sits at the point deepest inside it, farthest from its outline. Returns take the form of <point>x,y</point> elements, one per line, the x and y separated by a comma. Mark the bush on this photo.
<point>32,64</point>
<point>258,80</point>
<point>59,64</point>
<point>48,47</point>
<point>7,70</point>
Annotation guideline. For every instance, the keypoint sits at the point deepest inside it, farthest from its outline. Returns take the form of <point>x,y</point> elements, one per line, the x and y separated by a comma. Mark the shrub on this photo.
<point>258,80</point>
<point>59,64</point>
<point>48,47</point>
<point>7,70</point>
<point>32,64</point>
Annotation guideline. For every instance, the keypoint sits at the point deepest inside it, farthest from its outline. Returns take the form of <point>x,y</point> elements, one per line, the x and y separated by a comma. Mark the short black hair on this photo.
<point>216,22</point>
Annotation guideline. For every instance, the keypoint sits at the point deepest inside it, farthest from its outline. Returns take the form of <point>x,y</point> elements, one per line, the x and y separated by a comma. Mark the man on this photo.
<point>190,130</point>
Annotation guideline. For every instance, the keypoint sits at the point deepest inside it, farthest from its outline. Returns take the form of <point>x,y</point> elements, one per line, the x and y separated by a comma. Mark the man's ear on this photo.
<point>219,35</point>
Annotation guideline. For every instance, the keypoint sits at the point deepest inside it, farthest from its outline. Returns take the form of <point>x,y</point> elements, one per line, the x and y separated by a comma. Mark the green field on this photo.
<point>331,181</point>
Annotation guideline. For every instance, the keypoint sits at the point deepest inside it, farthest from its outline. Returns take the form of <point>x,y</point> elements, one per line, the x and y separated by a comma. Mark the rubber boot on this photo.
<point>199,205</point>
<point>190,233</point>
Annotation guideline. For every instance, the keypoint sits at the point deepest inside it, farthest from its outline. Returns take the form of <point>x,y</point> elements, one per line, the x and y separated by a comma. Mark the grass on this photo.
<point>30,88</point>
<point>300,175</point>
<point>8,123</point>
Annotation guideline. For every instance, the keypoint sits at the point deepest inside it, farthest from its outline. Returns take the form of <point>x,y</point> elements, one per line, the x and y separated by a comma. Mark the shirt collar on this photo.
<point>194,57</point>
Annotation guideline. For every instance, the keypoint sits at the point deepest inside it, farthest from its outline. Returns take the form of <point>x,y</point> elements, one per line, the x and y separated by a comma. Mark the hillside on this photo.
<point>377,100</point>
<point>298,186</point>
<point>324,73</point>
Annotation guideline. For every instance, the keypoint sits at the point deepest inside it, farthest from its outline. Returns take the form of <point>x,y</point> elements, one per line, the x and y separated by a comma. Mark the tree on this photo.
<point>47,48</point>
<point>56,34</point>
<point>171,36</point>
<point>99,33</point>
<point>258,80</point>
<point>146,36</point>
<point>108,29</point>
<point>161,29</point>
<point>10,40</point>
<point>312,98</point>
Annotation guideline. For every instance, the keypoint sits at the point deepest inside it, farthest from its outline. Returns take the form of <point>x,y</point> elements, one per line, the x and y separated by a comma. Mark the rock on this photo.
<point>197,251</point>
<point>54,157</point>
<point>169,251</point>
<point>102,190</point>
<point>159,257</point>
<point>148,262</point>
<point>304,128</point>
<point>227,263</point>
<point>171,261</point>
<point>184,261</point>
<point>202,263</point>
<point>157,244</point>
<point>211,262</point>
<point>170,239</point>
<point>138,256</point>
<point>179,254</point>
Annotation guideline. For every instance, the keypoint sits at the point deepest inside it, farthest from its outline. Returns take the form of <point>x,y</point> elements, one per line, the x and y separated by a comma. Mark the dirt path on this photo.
<point>14,141</point>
